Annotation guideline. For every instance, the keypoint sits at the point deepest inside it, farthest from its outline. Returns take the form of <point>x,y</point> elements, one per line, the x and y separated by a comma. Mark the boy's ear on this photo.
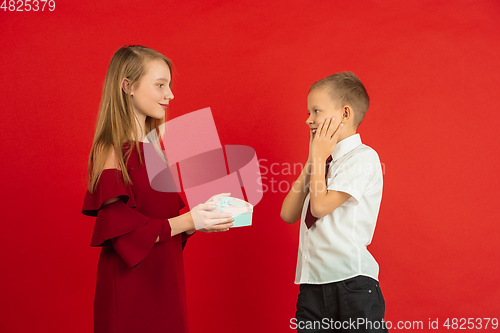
<point>346,113</point>
<point>126,86</point>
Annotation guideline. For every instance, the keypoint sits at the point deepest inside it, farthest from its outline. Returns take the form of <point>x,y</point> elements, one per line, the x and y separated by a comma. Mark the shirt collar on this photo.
<point>346,145</point>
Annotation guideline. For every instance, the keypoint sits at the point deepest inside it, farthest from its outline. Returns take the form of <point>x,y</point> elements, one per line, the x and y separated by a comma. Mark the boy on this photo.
<point>337,198</point>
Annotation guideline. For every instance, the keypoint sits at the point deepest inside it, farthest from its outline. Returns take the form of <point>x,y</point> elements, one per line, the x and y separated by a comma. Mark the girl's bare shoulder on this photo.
<point>112,159</point>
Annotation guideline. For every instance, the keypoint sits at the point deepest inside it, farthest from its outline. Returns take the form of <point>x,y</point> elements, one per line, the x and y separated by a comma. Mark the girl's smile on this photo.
<point>164,106</point>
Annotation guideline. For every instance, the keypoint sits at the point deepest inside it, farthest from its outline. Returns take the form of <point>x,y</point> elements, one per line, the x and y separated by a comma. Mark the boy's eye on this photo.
<point>161,85</point>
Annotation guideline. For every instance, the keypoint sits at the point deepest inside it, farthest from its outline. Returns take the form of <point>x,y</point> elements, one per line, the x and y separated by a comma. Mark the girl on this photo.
<point>140,274</point>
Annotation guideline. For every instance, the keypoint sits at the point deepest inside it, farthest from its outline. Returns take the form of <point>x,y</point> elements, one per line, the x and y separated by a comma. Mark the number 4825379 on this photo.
<point>27,5</point>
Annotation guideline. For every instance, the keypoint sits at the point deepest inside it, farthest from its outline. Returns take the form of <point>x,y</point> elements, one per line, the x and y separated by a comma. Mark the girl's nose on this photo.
<point>169,95</point>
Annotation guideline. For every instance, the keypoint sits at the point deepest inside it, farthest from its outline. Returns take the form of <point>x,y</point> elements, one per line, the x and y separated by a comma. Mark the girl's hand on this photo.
<point>325,140</point>
<point>203,217</point>
<point>219,227</point>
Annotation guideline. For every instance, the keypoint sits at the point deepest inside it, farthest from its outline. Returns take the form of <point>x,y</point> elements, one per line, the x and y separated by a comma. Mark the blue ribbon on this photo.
<point>224,202</point>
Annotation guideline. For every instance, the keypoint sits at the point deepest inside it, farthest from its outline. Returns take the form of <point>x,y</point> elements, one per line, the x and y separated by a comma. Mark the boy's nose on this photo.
<point>309,120</point>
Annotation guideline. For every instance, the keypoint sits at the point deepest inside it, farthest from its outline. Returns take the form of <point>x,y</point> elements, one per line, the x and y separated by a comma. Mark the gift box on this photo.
<point>242,211</point>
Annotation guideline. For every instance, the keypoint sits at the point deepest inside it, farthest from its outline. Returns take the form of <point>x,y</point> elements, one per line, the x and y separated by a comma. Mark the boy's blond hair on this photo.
<point>346,89</point>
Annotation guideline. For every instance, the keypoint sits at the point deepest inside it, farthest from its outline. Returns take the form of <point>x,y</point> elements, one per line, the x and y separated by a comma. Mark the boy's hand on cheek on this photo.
<point>309,158</point>
<point>325,140</point>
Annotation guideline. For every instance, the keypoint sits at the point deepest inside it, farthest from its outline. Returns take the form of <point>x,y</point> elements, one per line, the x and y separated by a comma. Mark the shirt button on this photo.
<point>307,232</point>
<point>305,257</point>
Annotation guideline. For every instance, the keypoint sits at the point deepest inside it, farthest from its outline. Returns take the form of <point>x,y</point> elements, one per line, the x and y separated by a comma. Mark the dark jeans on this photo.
<point>352,305</point>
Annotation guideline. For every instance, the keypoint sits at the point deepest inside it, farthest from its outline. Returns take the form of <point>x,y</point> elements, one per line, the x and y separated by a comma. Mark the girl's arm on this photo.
<point>178,224</point>
<point>184,223</point>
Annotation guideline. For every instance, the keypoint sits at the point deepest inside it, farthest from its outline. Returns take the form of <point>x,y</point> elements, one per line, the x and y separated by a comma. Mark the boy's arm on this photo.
<point>292,205</point>
<point>323,201</point>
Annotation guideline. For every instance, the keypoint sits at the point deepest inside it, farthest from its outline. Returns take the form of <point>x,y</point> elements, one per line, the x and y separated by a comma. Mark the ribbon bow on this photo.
<point>224,202</point>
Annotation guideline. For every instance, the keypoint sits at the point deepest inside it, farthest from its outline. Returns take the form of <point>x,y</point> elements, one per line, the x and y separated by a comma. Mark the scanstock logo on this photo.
<point>198,164</point>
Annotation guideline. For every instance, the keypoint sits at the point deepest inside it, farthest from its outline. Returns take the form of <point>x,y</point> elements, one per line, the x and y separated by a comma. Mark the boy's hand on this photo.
<point>309,158</point>
<point>325,140</point>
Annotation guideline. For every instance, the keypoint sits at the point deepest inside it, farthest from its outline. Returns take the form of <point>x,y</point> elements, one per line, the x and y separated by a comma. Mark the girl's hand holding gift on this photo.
<point>207,221</point>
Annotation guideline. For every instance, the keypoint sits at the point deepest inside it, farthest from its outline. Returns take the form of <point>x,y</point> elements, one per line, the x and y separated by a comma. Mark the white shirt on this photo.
<point>334,249</point>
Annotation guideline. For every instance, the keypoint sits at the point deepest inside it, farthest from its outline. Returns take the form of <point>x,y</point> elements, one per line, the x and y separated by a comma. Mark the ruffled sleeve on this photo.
<point>133,237</point>
<point>133,233</point>
<point>110,186</point>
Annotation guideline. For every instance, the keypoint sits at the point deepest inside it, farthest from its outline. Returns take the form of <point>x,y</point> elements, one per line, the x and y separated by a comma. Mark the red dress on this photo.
<point>140,284</point>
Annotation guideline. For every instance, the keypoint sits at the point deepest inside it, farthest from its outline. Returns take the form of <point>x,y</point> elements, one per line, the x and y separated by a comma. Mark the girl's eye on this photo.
<point>161,85</point>
<point>316,111</point>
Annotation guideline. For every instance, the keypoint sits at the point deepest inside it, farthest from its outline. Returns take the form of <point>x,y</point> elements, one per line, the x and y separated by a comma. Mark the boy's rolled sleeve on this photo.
<point>355,175</point>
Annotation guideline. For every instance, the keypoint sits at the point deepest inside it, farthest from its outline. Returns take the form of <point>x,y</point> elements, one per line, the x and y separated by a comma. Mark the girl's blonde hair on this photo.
<point>116,120</point>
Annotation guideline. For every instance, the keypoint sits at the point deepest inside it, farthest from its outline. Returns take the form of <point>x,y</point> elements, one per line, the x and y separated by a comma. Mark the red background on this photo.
<point>431,68</point>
